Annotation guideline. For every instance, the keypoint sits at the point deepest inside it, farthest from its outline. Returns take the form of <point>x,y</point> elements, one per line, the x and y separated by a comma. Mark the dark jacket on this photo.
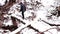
<point>23,7</point>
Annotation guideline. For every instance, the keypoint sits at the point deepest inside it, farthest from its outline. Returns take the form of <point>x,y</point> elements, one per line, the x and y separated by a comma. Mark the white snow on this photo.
<point>40,13</point>
<point>2,2</point>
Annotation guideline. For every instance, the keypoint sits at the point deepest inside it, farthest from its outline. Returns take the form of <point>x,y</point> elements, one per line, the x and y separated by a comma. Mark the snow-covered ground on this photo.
<point>40,13</point>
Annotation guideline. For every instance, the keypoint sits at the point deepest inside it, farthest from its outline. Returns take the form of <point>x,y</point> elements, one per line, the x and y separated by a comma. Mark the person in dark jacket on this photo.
<point>58,9</point>
<point>23,9</point>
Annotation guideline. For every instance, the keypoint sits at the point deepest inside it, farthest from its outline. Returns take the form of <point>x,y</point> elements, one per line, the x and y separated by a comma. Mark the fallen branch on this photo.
<point>50,24</point>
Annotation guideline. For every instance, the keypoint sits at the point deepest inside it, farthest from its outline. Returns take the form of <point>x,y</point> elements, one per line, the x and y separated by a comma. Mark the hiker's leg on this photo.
<point>23,14</point>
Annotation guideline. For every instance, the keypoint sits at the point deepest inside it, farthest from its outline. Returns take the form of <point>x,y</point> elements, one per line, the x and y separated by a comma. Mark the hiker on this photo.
<point>58,9</point>
<point>23,9</point>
